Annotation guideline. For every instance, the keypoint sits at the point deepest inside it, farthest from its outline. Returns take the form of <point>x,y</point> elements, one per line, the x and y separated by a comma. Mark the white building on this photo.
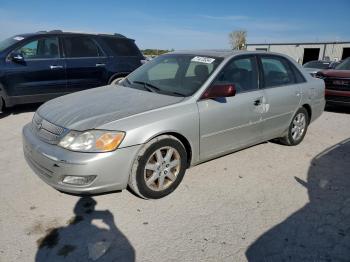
<point>304,52</point>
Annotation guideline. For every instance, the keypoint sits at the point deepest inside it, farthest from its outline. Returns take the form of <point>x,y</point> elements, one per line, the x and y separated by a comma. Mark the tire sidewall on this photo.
<point>140,181</point>
<point>290,137</point>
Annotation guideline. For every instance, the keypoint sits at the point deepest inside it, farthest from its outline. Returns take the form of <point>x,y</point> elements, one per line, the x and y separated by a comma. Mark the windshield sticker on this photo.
<point>201,59</point>
<point>18,38</point>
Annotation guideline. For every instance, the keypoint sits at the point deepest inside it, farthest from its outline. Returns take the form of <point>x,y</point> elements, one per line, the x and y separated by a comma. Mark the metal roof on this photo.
<point>303,43</point>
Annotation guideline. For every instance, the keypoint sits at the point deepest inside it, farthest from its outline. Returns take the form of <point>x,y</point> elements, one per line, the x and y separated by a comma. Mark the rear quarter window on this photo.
<point>122,46</point>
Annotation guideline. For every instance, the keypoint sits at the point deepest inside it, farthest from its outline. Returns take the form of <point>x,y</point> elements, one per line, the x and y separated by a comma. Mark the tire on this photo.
<point>154,174</point>
<point>297,128</point>
<point>117,80</point>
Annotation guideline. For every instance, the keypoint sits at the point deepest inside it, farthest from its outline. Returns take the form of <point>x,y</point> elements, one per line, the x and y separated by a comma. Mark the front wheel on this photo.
<point>297,128</point>
<point>159,168</point>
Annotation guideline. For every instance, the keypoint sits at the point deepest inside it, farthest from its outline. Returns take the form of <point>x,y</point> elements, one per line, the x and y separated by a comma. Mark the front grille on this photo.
<point>337,83</point>
<point>47,131</point>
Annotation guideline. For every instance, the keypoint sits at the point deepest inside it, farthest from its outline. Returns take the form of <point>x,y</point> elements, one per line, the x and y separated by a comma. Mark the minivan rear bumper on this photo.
<point>53,163</point>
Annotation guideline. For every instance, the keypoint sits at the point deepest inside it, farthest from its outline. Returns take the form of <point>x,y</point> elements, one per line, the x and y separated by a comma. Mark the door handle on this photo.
<point>100,65</point>
<point>52,67</point>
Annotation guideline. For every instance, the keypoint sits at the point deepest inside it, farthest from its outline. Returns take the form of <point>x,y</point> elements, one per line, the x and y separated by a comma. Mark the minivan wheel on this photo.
<point>117,80</point>
<point>297,128</point>
<point>159,168</point>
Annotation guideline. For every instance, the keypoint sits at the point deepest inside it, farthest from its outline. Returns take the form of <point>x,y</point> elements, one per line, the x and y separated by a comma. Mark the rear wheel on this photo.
<point>159,168</point>
<point>297,128</point>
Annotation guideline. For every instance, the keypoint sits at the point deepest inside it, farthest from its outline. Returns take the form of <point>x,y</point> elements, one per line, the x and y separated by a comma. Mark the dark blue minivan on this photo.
<point>40,66</point>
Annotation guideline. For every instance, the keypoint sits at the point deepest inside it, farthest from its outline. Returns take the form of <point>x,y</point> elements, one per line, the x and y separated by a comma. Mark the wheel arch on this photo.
<point>116,75</point>
<point>183,140</point>
<point>309,111</point>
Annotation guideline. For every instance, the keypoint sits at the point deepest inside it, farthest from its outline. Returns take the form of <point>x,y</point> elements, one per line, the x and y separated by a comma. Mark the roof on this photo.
<point>63,32</point>
<point>302,43</point>
<point>215,52</point>
<point>224,53</point>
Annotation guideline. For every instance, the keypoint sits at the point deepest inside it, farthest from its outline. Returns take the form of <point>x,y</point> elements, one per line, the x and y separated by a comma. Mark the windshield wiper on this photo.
<point>148,86</point>
<point>175,93</point>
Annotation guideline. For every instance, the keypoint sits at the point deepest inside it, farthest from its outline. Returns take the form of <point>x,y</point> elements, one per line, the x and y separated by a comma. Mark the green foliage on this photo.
<point>155,52</point>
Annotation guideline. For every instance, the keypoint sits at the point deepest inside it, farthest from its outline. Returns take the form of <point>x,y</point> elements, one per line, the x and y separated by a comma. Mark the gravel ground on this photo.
<point>266,203</point>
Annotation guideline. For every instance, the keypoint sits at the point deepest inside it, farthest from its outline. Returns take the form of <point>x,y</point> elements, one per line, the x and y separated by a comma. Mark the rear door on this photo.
<point>233,122</point>
<point>41,75</point>
<point>282,92</point>
<point>85,61</point>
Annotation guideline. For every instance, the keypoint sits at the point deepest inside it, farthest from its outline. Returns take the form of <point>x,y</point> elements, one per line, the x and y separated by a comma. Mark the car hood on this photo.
<point>336,73</point>
<point>95,107</point>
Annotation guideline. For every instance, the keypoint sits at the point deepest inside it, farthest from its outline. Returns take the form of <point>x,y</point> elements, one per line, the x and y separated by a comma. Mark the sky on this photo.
<point>181,24</point>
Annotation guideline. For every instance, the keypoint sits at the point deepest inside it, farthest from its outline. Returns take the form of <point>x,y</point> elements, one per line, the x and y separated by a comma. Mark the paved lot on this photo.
<point>265,203</point>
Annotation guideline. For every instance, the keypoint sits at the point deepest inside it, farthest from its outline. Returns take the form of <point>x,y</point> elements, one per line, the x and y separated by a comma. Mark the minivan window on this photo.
<point>276,72</point>
<point>78,46</point>
<point>122,46</point>
<point>242,72</point>
<point>41,48</point>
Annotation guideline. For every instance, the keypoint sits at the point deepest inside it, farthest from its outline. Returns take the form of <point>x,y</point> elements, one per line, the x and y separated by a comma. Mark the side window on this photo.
<point>242,72</point>
<point>299,78</point>
<point>40,49</point>
<point>276,72</point>
<point>80,46</point>
<point>121,46</point>
<point>165,70</point>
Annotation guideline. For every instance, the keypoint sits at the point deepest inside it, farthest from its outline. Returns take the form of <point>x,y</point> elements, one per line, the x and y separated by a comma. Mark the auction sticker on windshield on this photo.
<point>201,59</point>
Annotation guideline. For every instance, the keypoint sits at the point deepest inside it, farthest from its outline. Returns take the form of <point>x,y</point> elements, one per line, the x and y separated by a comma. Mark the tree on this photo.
<point>238,39</point>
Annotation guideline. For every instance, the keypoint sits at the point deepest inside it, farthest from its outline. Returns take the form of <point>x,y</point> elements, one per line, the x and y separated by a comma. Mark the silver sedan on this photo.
<point>176,111</point>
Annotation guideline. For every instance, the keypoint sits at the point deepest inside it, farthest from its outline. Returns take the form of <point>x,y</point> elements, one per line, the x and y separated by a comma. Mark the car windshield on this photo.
<point>345,65</point>
<point>4,44</point>
<point>317,64</point>
<point>173,74</point>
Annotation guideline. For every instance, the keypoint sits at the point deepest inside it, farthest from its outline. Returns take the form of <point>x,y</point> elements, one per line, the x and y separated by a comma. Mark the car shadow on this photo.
<point>19,109</point>
<point>85,239</point>
<point>338,109</point>
<point>320,231</point>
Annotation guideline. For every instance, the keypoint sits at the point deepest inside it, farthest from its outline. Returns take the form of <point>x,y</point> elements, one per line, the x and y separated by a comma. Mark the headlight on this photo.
<point>92,141</point>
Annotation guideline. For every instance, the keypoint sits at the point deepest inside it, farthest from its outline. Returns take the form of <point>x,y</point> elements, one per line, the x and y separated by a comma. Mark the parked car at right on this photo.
<point>315,66</point>
<point>337,84</point>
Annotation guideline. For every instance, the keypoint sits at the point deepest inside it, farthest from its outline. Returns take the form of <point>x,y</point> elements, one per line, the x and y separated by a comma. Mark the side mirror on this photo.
<point>220,90</point>
<point>16,57</point>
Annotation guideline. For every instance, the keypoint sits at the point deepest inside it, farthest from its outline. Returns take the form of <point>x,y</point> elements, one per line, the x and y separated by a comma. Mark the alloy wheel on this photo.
<point>162,168</point>
<point>298,127</point>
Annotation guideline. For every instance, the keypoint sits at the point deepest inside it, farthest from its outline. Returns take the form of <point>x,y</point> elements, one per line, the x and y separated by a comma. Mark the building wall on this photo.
<point>296,51</point>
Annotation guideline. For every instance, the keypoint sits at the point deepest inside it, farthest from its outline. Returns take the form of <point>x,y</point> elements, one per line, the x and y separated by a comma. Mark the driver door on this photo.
<point>41,75</point>
<point>230,123</point>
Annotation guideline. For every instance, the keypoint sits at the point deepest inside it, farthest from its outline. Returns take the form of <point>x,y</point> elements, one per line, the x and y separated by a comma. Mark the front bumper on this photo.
<point>338,97</point>
<point>52,163</point>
